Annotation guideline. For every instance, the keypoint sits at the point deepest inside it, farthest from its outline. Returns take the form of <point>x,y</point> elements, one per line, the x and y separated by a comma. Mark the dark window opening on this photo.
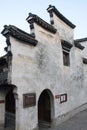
<point>66,59</point>
<point>66,47</point>
<point>10,102</point>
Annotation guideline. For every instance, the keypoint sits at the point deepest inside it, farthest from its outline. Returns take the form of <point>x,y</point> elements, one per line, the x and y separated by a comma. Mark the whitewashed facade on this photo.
<point>47,73</point>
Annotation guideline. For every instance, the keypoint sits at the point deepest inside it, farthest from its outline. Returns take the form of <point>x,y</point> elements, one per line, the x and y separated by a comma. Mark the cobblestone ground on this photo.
<point>78,122</point>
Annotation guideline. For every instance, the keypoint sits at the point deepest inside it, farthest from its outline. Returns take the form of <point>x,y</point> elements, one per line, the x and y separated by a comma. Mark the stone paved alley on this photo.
<point>78,122</point>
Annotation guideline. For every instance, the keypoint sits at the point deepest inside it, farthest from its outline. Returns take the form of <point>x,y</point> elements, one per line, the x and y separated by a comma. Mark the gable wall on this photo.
<point>65,32</point>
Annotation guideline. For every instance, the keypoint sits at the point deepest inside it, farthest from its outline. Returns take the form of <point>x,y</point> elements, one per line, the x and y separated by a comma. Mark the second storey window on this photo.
<point>66,59</point>
<point>66,46</point>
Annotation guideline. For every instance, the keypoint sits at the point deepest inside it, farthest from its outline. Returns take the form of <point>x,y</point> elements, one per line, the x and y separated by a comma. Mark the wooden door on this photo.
<point>44,107</point>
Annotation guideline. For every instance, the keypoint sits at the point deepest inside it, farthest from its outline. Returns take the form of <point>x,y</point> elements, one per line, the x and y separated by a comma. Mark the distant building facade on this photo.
<point>43,76</point>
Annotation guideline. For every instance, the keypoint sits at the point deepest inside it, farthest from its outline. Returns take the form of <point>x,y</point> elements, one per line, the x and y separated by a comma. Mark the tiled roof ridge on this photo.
<point>81,40</point>
<point>19,34</point>
<point>35,18</point>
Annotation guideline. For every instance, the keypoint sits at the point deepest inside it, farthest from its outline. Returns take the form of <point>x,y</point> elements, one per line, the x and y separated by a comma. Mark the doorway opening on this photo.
<point>45,108</point>
<point>10,109</point>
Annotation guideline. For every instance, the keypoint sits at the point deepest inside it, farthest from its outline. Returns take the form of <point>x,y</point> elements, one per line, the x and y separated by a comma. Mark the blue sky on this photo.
<point>15,12</point>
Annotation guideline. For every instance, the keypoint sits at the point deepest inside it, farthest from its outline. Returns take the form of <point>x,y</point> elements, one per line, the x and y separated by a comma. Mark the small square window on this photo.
<point>63,98</point>
<point>66,59</point>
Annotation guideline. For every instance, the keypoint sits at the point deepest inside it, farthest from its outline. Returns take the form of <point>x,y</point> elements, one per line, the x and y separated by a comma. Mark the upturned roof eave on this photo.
<point>32,18</point>
<point>19,34</point>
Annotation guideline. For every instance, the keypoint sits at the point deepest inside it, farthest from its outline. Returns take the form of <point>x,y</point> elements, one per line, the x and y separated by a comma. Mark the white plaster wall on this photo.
<point>45,36</point>
<point>37,68</point>
<point>59,75</point>
<point>84,54</point>
<point>23,76</point>
<point>33,70</point>
<point>65,31</point>
<point>77,80</point>
<point>65,79</point>
<point>85,81</point>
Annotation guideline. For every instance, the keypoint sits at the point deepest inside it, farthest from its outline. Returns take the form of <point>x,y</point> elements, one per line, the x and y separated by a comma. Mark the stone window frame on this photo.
<point>63,98</point>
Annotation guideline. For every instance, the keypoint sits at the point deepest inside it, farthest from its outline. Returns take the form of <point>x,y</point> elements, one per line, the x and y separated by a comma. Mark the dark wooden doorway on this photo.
<point>10,109</point>
<point>44,109</point>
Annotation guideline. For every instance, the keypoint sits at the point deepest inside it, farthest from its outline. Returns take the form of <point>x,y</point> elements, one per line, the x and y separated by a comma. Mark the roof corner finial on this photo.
<point>50,5</point>
<point>29,17</point>
<point>30,14</point>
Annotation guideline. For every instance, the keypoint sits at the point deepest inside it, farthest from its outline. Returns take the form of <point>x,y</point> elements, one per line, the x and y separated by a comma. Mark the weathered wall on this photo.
<point>65,32</point>
<point>77,80</point>
<point>37,68</point>
<point>24,76</point>
<point>65,79</point>
<point>84,54</point>
<point>60,75</point>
